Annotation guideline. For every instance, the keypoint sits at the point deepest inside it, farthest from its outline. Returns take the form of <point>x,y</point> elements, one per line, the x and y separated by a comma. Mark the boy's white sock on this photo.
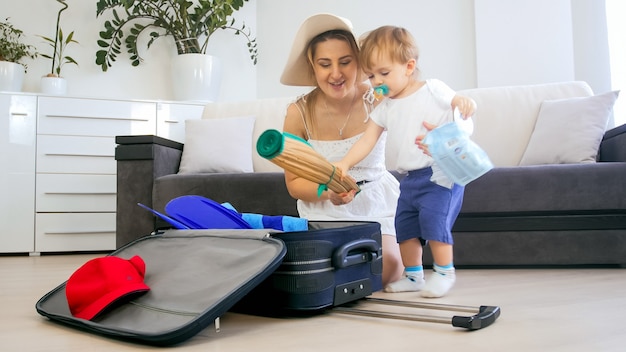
<point>439,282</point>
<point>412,281</point>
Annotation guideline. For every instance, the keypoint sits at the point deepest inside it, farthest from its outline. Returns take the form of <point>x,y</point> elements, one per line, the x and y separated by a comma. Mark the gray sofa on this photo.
<point>533,215</point>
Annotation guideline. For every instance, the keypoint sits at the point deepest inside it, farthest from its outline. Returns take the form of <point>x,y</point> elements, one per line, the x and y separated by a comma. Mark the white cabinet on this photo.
<point>76,171</point>
<point>17,174</point>
<point>58,186</point>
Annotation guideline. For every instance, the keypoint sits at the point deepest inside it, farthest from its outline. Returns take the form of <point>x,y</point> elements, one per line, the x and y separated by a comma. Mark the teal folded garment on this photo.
<point>277,222</point>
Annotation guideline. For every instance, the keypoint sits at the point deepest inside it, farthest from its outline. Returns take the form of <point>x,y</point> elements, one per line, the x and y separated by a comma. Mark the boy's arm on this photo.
<point>362,147</point>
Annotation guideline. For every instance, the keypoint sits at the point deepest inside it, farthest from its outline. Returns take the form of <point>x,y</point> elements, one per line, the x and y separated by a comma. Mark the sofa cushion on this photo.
<point>569,130</point>
<point>556,188</point>
<point>269,113</point>
<point>505,116</point>
<point>217,145</point>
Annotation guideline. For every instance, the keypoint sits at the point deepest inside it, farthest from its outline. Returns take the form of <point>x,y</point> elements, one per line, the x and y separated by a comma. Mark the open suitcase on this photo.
<point>195,276</point>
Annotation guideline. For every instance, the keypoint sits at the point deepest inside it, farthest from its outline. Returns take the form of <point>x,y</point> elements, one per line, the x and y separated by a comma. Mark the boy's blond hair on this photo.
<point>395,43</point>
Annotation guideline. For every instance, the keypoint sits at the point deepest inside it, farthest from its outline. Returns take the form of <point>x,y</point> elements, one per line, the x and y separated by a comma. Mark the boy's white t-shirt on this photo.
<point>403,119</point>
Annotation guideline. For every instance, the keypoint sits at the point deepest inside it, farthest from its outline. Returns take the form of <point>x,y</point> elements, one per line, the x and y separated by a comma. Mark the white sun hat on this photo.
<point>297,71</point>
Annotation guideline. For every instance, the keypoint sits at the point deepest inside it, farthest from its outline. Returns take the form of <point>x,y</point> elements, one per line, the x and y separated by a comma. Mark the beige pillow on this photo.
<point>569,130</point>
<point>218,145</point>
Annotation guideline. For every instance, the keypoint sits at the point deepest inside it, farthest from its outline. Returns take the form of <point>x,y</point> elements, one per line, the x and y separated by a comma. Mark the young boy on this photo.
<point>429,201</point>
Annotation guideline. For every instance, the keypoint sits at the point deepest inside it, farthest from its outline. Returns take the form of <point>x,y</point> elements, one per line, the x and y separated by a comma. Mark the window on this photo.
<point>615,13</point>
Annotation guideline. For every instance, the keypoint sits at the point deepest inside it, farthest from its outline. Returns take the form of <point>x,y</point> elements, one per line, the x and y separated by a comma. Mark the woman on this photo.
<point>332,117</point>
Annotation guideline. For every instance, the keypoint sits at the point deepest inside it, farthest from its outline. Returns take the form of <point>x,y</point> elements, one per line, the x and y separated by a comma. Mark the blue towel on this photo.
<point>276,222</point>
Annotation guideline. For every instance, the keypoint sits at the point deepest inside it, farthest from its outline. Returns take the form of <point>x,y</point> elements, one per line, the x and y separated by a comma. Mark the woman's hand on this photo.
<point>341,198</point>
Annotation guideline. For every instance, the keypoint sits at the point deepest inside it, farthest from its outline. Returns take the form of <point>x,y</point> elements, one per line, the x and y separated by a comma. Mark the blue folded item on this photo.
<point>276,222</point>
<point>197,212</point>
<point>462,160</point>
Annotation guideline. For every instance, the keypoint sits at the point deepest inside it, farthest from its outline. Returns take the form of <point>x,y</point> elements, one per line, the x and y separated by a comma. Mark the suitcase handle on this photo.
<point>369,251</point>
<point>486,316</point>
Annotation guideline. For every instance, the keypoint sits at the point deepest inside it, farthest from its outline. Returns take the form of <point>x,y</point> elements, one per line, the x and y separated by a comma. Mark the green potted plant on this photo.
<point>12,53</point>
<point>53,82</point>
<point>190,25</point>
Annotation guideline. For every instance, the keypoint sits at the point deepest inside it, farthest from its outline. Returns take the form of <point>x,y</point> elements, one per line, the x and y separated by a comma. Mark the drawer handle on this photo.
<point>87,155</point>
<point>83,193</point>
<point>77,232</point>
<point>100,118</point>
<point>19,114</point>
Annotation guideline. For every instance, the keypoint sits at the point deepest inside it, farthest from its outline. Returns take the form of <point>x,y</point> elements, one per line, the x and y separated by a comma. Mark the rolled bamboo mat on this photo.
<point>294,154</point>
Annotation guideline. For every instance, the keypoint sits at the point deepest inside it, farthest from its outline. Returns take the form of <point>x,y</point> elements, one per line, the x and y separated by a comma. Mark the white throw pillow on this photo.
<point>218,145</point>
<point>569,130</point>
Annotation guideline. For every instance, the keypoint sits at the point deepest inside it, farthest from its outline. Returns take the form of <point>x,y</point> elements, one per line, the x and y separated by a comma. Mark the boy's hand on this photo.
<point>419,140</point>
<point>341,169</point>
<point>465,105</point>
<point>345,197</point>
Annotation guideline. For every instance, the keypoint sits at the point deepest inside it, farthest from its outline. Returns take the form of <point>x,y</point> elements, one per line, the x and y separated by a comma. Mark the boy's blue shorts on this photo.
<point>426,210</point>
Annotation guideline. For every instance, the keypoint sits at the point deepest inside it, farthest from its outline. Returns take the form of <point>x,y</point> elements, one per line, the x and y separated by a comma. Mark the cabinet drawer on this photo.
<point>74,154</point>
<point>171,119</point>
<point>74,232</point>
<point>92,117</point>
<point>77,193</point>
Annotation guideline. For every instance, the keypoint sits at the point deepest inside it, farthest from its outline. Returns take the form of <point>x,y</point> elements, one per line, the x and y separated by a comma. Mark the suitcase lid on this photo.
<point>195,276</point>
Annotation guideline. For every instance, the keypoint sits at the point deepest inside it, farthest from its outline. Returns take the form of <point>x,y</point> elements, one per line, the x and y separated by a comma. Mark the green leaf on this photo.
<point>188,23</point>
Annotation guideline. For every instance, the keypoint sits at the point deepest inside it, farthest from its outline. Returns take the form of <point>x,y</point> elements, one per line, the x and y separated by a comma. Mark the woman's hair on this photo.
<point>395,43</point>
<point>311,99</point>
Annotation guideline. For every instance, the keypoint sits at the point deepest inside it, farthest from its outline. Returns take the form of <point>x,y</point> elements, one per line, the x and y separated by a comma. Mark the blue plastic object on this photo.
<point>456,154</point>
<point>177,224</point>
<point>198,212</point>
<point>381,91</point>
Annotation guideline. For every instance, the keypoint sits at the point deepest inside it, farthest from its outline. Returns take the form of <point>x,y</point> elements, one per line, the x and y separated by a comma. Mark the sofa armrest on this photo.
<point>613,145</point>
<point>140,160</point>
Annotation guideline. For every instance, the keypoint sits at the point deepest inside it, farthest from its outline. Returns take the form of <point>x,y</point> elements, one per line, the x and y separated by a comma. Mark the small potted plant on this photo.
<point>189,23</point>
<point>12,53</point>
<point>53,82</point>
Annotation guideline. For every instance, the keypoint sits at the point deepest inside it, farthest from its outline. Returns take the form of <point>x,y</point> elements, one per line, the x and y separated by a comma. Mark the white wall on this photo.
<point>591,53</point>
<point>149,80</point>
<point>523,42</point>
<point>463,42</point>
<point>444,31</point>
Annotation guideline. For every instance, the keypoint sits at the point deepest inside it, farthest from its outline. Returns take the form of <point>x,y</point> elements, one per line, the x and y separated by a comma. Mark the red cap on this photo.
<point>102,281</point>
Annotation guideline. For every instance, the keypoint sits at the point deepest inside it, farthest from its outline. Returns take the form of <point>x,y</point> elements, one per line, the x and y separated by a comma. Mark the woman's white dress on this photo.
<point>378,197</point>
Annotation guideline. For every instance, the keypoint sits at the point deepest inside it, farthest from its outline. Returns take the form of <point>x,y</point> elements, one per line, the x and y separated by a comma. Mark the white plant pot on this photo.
<point>196,77</point>
<point>11,76</point>
<point>53,85</point>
